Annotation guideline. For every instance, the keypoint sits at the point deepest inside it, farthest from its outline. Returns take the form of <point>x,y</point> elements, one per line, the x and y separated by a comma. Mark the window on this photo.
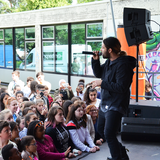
<point>48,32</point>
<point>55,48</point>
<point>1,54</point>
<point>48,56</point>
<point>6,48</point>
<point>1,34</point>
<point>94,30</point>
<point>84,37</point>
<point>25,48</point>
<point>30,55</point>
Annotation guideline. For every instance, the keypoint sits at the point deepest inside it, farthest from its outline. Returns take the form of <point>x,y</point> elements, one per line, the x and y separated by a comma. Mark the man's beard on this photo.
<point>106,55</point>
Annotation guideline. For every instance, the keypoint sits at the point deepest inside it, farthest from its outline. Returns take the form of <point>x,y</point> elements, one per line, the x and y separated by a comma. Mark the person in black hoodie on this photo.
<point>116,77</point>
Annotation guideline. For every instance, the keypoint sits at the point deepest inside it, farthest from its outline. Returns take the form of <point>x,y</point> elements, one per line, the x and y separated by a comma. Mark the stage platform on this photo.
<point>137,151</point>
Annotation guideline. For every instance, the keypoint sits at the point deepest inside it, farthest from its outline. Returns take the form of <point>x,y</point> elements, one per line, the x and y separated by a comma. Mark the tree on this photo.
<point>4,7</point>
<point>86,1</point>
<point>41,4</point>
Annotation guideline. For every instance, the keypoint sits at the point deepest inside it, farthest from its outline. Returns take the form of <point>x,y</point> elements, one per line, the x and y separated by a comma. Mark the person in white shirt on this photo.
<point>26,90</point>
<point>40,80</point>
<point>76,123</point>
<point>16,81</point>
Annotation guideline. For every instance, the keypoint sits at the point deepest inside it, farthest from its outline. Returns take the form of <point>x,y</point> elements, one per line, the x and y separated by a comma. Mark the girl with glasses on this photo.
<point>93,112</point>
<point>45,146</point>
<point>29,147</point>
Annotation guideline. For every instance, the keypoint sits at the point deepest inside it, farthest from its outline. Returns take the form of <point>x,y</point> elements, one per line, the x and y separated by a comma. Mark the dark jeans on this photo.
<point>108,125</point>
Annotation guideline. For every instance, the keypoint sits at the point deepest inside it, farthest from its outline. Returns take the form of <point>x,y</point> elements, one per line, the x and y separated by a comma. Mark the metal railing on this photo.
<point>153,74</point>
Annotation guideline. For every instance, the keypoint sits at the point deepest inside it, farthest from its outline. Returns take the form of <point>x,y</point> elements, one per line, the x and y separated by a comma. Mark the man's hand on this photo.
<point>96,83</point>
<point>96,56</point>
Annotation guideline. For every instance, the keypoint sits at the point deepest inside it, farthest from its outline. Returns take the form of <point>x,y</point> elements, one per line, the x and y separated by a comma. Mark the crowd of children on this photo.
<point>35,125</point>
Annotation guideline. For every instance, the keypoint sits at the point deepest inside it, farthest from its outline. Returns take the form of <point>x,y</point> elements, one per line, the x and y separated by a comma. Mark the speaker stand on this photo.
<point>137,73</point>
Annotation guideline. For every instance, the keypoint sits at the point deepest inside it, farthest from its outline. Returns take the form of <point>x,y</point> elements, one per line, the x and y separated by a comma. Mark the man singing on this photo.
<point>116,77</point>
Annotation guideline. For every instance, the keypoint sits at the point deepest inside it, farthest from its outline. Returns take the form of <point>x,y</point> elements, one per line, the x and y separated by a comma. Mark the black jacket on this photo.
<point>116,80</point>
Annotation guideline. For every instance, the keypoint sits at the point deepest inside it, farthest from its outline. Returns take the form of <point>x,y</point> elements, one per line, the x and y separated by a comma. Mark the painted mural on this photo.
<point>153,63</point>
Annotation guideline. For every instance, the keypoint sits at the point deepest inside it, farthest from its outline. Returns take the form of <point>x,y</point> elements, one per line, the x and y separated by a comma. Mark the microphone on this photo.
<point>91,53</point>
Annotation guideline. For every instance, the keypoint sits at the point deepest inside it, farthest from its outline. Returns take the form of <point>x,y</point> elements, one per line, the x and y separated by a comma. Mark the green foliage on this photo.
<point>4,7</point>
<point>8,37</point>
<point>61,35</point>
<point>78,34</point>
<point>41,4</point>
<point>1,34</point>
<point>86,1</point>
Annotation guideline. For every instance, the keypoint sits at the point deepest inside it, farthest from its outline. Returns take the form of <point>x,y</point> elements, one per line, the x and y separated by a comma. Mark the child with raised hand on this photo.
<point>45,146</point>
<point>58,131</point>
<point>76,122</point>
<point>29,147</point>
<point>12,105</point>
<point>5,135</point>
<point>41,110</point>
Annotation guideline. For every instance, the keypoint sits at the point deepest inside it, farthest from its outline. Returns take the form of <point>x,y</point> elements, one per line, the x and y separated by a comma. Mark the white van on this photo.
<point>49,56</point>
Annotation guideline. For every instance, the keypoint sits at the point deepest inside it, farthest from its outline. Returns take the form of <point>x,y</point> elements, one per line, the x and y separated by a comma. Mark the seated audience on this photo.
<point>16,81</point>
<point>3,90</point>
<point>3,100</point>
<point>90,97</point>
<point>76,122</point>
<point>59,100</point>
<point>89,121</point>
<point>6,115</point>
<point>33,90</point>
<point>46,94</point>
<point>5,134</point>
<point>20,123</point>
<point>27,90</point>
<point>41,110</point>
<point>56,129</point>
<point>29,147</point>
<point>16,89</point>
<point>15,134</point>
<point>66,107</point>
<point>12,105</point>
<point>93,112</point>
<point>79,90</point>
<point>28,119</point>
<point>45,146</point>
<point>9,152</point>
<point>40,80</point>
<point>65,90</point>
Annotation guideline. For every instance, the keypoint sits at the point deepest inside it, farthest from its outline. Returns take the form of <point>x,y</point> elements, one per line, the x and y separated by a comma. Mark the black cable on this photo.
<point>154,22</point>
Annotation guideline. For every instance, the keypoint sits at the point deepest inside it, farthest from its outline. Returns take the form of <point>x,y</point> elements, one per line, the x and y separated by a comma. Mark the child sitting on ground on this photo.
<point>11,153</point>
<point>29,147</point>
<point>12,105</point>
<point>15,134</point>
<point>5,135</point>
<point>41,110</point>
<point>28,119</point>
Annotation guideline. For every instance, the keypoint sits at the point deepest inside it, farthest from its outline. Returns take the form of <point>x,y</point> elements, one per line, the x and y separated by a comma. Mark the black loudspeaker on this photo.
<point>140,129</point>
<point>137,25</point>
<point>142,122</point>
